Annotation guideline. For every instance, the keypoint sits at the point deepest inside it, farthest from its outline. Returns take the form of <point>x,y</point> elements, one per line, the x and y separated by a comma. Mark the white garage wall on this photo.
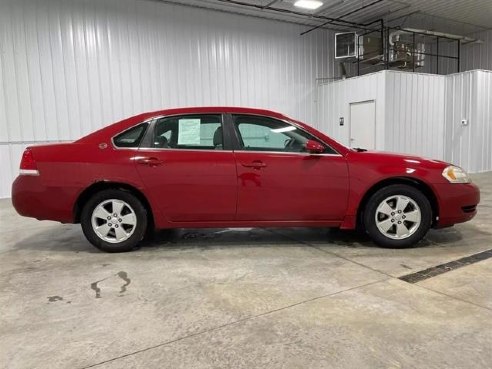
<point>334,103</point>
<point>409,110</point>
<point>68,67</point>
<point>421,113</point>
<point>469,97</point>
<point>414,118</point>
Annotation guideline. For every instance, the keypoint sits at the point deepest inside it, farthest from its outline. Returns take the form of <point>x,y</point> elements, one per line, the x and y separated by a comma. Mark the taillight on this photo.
<point>28,164</point>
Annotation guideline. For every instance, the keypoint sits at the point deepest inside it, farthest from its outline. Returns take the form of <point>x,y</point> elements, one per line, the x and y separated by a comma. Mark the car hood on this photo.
<point>384,157</point>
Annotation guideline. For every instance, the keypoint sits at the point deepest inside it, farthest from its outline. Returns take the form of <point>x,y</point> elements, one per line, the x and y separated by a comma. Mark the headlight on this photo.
<point>455,175</point>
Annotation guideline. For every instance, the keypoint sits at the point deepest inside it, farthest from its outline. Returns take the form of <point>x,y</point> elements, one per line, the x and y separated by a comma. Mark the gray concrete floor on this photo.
<point>262,298</point>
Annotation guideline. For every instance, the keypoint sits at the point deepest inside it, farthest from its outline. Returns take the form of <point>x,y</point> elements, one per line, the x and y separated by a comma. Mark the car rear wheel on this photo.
<point>114,220</point>
<point>397,216</point>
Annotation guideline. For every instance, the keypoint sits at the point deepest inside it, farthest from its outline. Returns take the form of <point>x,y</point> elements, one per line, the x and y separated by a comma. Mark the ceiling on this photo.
<point>459,16</point>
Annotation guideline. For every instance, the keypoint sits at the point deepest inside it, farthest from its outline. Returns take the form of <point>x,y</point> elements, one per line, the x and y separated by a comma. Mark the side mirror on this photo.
<point>314,147</point>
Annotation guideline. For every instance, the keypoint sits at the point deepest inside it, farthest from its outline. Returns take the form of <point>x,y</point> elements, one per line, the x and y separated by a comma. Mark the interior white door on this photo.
<point>363,124</point>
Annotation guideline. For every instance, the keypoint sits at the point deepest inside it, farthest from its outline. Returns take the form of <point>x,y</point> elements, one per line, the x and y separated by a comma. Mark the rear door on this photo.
<point>188,169</point>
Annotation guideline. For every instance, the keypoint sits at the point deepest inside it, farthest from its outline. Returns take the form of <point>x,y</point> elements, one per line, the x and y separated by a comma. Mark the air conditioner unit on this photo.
<point>345,45</point>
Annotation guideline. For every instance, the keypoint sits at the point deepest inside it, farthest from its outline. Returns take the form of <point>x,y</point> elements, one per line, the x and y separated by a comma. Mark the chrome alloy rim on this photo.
<point>114,221</point>
<point>398,217</point>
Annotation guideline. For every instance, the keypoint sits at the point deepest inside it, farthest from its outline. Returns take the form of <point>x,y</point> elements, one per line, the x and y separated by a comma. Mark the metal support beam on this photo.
<point>459,55</point>
<point>413,52</point>
<point>437,52</point>
<point>387,50</point>
<point>358,58</point>
<point>271,3</point>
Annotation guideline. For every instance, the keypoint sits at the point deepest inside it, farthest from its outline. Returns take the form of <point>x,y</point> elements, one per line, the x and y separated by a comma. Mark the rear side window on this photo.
<point>195,132</point>
<point>131,137</point>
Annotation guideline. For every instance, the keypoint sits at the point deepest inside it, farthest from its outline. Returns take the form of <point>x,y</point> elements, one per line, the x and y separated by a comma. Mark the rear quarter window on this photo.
<point>131,137</point>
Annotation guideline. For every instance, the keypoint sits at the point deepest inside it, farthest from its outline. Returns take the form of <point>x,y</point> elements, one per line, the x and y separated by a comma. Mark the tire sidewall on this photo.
<point>392,190</point>
<point>140,228</point>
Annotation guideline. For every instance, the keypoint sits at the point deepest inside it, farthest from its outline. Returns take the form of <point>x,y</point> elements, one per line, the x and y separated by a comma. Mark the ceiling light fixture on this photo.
<point>308,4</point>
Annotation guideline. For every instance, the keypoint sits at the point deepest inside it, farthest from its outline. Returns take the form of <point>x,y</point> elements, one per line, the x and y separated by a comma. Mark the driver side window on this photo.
<point>266,134</point>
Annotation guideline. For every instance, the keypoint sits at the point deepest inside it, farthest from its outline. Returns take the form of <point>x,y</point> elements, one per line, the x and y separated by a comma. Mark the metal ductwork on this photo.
<point>463,39</point>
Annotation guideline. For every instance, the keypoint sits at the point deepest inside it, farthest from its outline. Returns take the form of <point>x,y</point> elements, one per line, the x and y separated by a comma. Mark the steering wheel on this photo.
<point>289,144</point>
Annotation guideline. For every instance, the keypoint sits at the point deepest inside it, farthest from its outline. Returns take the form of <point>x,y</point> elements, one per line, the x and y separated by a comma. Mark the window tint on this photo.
<point>266,134</point>
<point>131,137</point>
<point>189,132</point>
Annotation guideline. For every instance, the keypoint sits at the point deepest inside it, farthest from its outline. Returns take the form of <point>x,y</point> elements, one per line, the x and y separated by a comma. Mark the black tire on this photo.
<point>139,229</point>
<point>381,239</point>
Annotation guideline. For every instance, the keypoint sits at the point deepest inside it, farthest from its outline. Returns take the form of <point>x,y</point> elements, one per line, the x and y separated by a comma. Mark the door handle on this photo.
<point>151,162</point>
<point>257,164</point>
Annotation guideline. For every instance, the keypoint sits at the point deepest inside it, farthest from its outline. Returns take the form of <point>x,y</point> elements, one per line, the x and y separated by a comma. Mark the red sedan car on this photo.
<point>234,167</point>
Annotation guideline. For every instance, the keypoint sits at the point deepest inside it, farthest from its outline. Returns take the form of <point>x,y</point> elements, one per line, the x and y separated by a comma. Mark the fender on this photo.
<point>393,168</point>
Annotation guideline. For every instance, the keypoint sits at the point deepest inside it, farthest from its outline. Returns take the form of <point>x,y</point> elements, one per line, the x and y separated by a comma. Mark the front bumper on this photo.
<point>457,202</point>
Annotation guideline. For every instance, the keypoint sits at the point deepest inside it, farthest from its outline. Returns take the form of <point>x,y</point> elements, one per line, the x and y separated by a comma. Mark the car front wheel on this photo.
<point>397,216</point>
<point>114,220</point>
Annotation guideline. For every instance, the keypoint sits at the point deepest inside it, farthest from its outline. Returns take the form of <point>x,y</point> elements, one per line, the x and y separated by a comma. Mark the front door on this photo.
<point>279,181</point>
<point>188,171</point>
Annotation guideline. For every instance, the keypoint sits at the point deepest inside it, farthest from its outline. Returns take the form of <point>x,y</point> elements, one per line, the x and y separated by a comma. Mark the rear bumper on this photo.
<point>457,203</point>
<point>32,198</point>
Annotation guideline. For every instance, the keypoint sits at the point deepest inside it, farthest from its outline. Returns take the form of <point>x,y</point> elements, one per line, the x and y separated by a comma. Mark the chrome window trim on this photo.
<point>288,152</point>
<point>176,149</point>
<point>151,120</point>
<point>128,129</point>
<point>232,151</point>
<point>290,123</point>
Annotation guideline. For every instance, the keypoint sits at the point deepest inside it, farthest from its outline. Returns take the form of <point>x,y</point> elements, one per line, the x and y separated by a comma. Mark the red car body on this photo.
<point>229,188</point>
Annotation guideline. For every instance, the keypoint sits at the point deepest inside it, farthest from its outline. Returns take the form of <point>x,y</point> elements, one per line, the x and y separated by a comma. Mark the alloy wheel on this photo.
<point>398,217</point>
<point>114,220</point>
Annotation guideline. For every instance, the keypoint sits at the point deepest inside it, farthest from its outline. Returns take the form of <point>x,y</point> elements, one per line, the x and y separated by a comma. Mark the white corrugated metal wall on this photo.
<point>482,131</point>
<point>68,67</point>
<point>414,119</point>
<point>409,110</point>
<point>421,113</point>
<point>334,103</point>
<point>459,101</point>
<point>469,97</point>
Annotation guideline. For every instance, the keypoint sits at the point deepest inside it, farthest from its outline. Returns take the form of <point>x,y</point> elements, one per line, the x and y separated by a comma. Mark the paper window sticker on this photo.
<point>189,132</point>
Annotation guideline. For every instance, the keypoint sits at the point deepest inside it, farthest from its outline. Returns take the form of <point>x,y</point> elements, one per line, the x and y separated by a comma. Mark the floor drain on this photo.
<point>447,267</point>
